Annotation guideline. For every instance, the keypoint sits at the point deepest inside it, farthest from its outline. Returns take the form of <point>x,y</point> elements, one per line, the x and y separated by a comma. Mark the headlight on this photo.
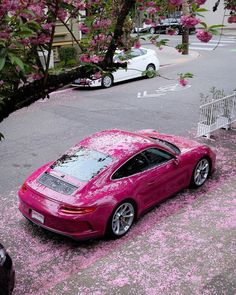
<point>2,256</point>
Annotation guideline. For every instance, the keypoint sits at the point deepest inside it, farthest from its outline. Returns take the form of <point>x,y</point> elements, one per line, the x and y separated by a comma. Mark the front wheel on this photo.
<point>107,81</point>
<point>200,173</point>
<point>121,220</point>
<point>150,71</point>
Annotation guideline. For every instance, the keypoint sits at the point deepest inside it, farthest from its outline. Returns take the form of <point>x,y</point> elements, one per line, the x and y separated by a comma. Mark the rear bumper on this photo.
<point>79,227</point>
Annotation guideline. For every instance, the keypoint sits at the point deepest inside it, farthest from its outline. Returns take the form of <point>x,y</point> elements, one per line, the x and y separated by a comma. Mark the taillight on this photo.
<point>76,210</point>
<point>24,187</point>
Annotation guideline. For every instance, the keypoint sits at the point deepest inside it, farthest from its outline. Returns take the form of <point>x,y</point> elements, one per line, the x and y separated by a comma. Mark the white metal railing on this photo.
<point>216,114</point>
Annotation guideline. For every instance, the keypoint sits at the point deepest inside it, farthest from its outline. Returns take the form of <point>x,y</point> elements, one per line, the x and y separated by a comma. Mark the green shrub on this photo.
<point>67,54</point>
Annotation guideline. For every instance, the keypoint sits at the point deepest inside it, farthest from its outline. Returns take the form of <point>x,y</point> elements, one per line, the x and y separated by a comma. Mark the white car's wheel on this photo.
<point>121,220</point>
<point>150,71</point>
<point>200,173</point>
<point>107,81</point>
<point>152,30</point>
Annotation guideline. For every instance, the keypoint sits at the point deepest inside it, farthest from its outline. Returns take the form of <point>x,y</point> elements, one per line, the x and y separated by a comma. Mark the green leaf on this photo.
<point>203,24</point>
<point>216,26</point>
<point>214,32</point>
<point>2,62</point>
<point>16,61</point>
<point>202,10</point>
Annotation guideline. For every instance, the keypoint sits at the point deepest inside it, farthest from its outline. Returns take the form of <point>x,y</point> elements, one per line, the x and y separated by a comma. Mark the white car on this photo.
<point>140,62</point>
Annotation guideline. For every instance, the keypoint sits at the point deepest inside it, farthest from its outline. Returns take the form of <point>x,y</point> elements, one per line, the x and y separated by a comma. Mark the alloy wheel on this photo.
<point>201,172</point>
<point>122,219</point>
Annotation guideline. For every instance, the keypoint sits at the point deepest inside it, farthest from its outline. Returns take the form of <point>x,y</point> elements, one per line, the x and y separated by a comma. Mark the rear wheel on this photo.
<point>121,219</point>
<point>152,30</point>
<point>107,81</point>
<point>200,173</point>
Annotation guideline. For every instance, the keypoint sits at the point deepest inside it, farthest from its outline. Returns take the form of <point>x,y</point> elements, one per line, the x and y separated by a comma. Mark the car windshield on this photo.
<point>83,165</point>
<point>167,144</point>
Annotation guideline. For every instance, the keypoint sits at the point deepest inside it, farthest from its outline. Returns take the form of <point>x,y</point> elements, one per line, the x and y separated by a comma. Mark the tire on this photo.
<point>152,30</point>
<point>200,173</point>
<point>121,219</point>
<point>107,81</point>
<point>150,68</point>
<point>177,31</point>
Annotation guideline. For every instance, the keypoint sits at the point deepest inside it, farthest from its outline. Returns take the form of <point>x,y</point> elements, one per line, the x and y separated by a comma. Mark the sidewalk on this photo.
<point>169,55</point>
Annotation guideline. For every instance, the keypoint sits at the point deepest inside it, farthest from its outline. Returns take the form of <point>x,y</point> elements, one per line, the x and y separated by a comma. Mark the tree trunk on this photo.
<point>185,33</point>
<point>127,6</point>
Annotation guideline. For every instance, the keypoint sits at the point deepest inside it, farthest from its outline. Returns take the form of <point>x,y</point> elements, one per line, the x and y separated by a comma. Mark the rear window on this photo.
<point>83,164</point>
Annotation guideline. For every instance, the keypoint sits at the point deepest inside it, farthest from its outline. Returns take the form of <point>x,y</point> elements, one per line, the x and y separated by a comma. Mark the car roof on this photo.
<point>118,144</point>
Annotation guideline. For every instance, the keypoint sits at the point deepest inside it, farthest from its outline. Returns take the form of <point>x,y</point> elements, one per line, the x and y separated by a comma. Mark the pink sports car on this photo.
<point>105,182</point>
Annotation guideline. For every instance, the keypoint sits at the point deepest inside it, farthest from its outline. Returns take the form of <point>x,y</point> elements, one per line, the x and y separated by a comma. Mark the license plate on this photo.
<point>37,216</point>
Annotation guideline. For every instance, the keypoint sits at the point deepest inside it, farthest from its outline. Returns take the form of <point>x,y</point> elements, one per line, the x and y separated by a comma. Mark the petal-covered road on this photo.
<point>187,245</point>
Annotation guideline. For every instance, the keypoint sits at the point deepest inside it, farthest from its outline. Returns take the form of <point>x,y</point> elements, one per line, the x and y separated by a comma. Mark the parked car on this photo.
<point>105,182</point>
<point>7,273</point>
<point>163,26</point>
<point>138,61</point>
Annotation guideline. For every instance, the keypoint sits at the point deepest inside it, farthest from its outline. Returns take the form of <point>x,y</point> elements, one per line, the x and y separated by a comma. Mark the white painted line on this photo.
<point>201,48</point>
<point>207,44</point>
<point>222,41</point>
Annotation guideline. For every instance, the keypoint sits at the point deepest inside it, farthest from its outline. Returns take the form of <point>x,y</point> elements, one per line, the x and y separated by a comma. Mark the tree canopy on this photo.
<point>27,27</point>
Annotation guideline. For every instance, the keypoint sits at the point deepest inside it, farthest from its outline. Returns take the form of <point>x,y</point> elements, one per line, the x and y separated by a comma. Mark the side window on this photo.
<point>135,165</point>
<point>157,156</point>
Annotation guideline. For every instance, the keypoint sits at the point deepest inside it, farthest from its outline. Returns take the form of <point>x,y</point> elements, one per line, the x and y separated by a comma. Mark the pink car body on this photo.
<point>83,209</point>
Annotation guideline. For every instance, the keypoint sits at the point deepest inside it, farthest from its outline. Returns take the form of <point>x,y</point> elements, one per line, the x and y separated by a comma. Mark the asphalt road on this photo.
<point>171,250</point>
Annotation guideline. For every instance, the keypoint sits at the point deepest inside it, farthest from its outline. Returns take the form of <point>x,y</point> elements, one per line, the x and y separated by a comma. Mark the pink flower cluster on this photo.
<point>90,59</point>
<point>203,35</point>
<point>176,2</point>
<point>83,28</point>
<point>200,2</point>
<point>183,82</point>
<point>189,21</point>
<point>102,24</point>
<point>232,19</point>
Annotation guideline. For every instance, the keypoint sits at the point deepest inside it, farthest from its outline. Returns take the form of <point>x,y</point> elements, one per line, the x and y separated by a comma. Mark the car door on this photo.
<point>136,64</point>
<point>135,173</point>
<point>165,175</point>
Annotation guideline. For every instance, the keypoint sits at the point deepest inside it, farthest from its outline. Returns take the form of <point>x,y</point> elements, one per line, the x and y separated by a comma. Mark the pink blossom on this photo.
<point>95,59</point>
<point>151,10</point>
<point>83,28</point>
<point>150,3</point>
<point>203,35</point>
<point>61,14</point>
<point>148,21</point>
<point>176,2</point>
<point>137,44</point>
<point>189,21</point>
<point>140,8</point>
<point>200,2</point>
<point>183,82</point>
<point>232,19</point>
<point>84,58</point>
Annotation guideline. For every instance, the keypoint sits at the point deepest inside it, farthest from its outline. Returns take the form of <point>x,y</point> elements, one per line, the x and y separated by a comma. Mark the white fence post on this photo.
<point>216,114</point>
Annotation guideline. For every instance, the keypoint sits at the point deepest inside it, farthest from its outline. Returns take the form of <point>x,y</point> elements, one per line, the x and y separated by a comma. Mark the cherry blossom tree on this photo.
<point>27,27</point>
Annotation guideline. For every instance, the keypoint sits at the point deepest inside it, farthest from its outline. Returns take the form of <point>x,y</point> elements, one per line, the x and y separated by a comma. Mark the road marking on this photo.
<point>162,91</point>
<point>207,44</point>
<point>201,48</point>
